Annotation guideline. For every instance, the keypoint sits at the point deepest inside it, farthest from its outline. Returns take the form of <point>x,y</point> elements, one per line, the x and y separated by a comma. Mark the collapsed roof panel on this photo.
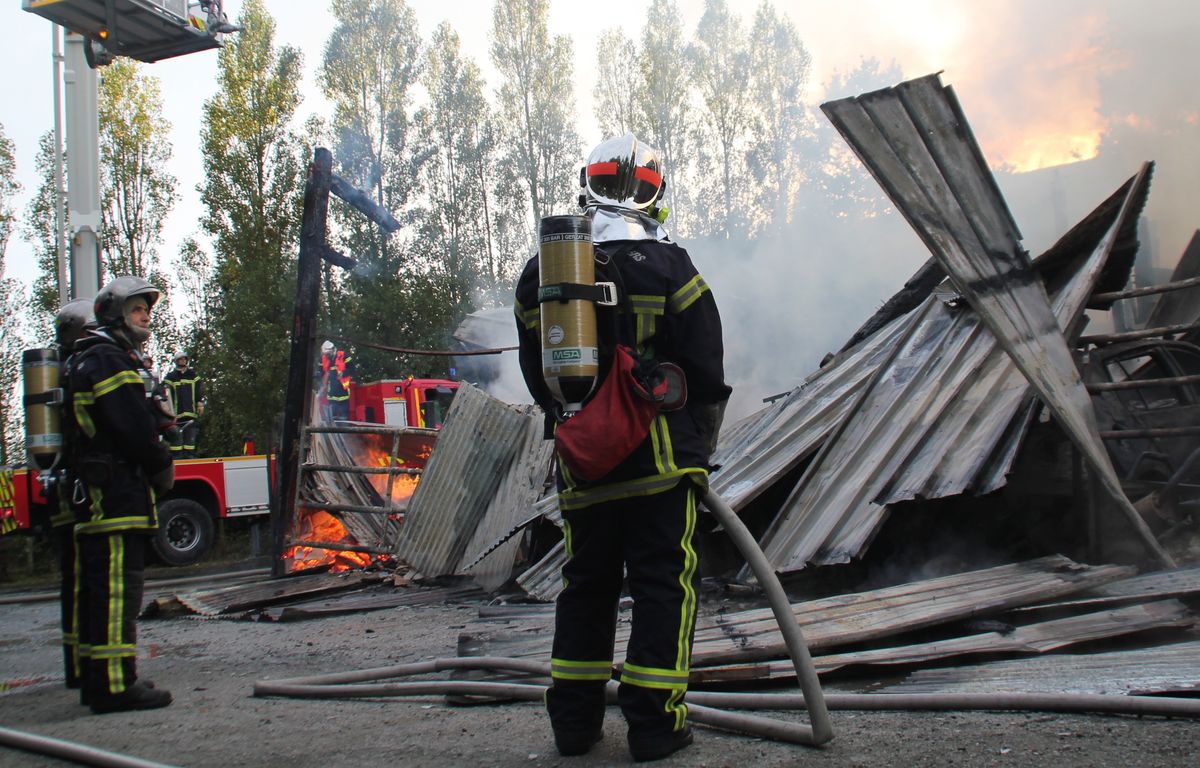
<point>918,146</point>
<point>475,451</point>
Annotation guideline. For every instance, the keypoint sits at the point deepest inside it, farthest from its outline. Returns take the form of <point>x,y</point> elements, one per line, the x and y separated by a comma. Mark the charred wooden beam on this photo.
<point>1148,290</point>
<point>1108,386</point>
<point>1145,333</point>
<point>363,470</point>
<point>352,508</point>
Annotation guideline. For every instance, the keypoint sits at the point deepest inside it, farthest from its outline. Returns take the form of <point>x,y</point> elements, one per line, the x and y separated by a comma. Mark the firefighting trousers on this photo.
<point>111,584</point>
<point>651,539</point>
<point>64,544</point>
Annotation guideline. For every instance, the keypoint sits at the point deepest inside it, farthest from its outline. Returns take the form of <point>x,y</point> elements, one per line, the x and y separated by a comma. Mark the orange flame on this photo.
<point>319,525</point>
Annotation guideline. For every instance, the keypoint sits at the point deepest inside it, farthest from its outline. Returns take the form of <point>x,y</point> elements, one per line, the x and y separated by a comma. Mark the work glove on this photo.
<point>708,419</point>
<point>163,481</point>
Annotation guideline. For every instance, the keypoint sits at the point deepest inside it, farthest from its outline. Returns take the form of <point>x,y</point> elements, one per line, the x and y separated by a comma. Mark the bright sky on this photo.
<point>1042,82</point>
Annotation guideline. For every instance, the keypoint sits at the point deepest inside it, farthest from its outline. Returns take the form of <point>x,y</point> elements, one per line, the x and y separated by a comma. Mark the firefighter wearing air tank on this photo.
<point>624,284</point>
<point>114,448</point>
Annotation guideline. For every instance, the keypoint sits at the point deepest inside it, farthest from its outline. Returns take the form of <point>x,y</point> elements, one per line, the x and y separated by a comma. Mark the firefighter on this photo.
<point>73,320</point>
<point>116,451</point>
<point>186,390</point>
<point>639,519</point>
<point>337,380</point>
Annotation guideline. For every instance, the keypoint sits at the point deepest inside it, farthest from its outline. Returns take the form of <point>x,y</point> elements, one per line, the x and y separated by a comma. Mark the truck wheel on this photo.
<point>185,532</point>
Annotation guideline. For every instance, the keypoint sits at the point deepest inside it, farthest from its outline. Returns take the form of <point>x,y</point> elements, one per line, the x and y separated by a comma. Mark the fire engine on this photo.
<point>233,487</point>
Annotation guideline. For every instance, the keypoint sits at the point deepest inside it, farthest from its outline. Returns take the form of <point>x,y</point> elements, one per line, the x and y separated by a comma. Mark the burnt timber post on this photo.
<point>298,402</point>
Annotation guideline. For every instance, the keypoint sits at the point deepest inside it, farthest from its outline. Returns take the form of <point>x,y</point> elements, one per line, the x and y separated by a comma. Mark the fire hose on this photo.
<point>702,705</point>
<point>819,732</point>
<point>70,750</point>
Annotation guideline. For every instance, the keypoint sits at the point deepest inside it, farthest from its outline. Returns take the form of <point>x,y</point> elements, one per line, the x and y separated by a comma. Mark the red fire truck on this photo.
<point>207,490</point>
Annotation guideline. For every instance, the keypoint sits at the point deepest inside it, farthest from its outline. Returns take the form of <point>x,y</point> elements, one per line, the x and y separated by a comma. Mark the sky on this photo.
<point>1045,84</point>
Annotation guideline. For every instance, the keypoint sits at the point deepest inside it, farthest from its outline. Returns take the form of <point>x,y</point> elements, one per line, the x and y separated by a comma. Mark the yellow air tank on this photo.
<point>570,357</point>
<point>43,407</point>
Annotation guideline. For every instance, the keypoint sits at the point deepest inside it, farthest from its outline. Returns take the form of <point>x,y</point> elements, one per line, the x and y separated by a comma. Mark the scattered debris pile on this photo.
<point>973,388</point>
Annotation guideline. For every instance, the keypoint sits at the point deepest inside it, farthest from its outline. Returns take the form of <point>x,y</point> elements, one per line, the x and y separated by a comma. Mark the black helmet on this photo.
<point>72,320</point>
<point>110,302</point>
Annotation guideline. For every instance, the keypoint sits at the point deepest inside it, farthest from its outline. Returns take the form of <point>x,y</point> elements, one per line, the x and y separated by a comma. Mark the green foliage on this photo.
<point>40,229</point>
<point>536,118</point>
<point>618,77</point>
<point>11,301</point>
<point>664,116</point>
<point>252,191</point>
<point>720,66</point>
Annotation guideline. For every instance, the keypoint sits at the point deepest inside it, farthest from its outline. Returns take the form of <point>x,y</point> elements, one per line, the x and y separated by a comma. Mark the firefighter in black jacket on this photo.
<point>116,452</point>
<point>640,519</point>
<point>337,369</point>
<point>73,320</point>
<point>186,391</point>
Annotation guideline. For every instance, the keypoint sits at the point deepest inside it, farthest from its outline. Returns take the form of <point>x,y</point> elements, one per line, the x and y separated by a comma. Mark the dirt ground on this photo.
<point>210,666</point>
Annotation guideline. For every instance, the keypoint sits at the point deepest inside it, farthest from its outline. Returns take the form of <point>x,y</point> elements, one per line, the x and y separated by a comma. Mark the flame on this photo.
<point>319,525</point>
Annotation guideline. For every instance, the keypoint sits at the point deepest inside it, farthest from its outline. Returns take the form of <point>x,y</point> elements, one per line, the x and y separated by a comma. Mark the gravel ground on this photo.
<point>210,666</point>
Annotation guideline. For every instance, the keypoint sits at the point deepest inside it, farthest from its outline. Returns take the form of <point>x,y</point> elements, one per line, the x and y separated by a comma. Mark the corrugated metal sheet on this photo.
<point>1167,669</point>
<point>1180,307</point>
<point>476,448</point>
<point>519,489</point>
<point>917,144</point>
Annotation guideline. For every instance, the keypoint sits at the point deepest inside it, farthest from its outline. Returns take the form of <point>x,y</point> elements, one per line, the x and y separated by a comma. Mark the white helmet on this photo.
<point>327,348</point>
<point>624,172</point>
<point>179,356</point>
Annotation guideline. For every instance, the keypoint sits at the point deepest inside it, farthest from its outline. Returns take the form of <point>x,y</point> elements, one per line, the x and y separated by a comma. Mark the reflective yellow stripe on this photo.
<point>116,381</point>
<point>116,608</point>
<point>113,651</point>
<point>687,608</point>
<point>653,677</point>
<point>647,304</point>
<point>115,525</point>
<point>687,295</point>
<point>83,418</point>
<point>645,486</point>
<point>562,669</point>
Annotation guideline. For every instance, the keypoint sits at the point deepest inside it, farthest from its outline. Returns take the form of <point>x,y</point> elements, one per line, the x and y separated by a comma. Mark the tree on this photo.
<point>12,301</point>
<point>252,191</point>
<point>136,189</point>
<point>41,230</point>
<point>371,62</point>
<point>664,113</point>
<point>779,72</point>
<point>618,79</point>
<point>720,65</point>
<point>537,120</point>
<point>454,235</point>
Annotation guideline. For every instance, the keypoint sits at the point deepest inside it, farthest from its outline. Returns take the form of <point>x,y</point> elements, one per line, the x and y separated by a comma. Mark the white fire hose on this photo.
<point>819,732</point>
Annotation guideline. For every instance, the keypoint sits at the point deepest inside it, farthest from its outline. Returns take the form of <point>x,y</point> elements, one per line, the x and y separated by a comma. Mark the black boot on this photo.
<point>137,696</point>
<point>647,748</point>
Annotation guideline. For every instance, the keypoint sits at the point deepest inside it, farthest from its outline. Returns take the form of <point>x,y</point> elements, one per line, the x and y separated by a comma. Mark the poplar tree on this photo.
<point>537,118</point>
<point>252,191</point>
<point>12,302</point>
<point>720,66</point>
<point>136,189</point>
<point>40,230</point>
<point>780,125</point>
<point>371,62</point>
<point>618,80</point>
<point>664,111</point>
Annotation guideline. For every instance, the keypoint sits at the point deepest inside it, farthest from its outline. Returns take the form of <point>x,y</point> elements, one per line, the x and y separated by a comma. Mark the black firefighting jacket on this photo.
<point>113,439</point>
<point>666,312</point>
<point>186,392</point>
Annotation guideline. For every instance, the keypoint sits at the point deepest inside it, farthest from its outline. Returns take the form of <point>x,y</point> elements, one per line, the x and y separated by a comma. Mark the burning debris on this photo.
<point>942,403</point>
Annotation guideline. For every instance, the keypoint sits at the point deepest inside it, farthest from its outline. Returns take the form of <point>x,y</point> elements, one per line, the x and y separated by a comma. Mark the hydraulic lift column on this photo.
<point>83,169</point>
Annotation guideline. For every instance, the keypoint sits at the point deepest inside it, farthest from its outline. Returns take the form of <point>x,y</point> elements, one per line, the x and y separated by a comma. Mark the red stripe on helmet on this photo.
<point>602,169</point>
<point>645,174</point>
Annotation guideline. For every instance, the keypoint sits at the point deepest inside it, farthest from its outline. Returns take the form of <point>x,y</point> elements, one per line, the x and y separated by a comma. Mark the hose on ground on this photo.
<point>70,750</point>
<point>818,732</point>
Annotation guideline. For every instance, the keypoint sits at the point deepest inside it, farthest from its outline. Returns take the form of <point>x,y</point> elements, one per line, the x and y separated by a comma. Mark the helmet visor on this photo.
<point>624,172</point>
